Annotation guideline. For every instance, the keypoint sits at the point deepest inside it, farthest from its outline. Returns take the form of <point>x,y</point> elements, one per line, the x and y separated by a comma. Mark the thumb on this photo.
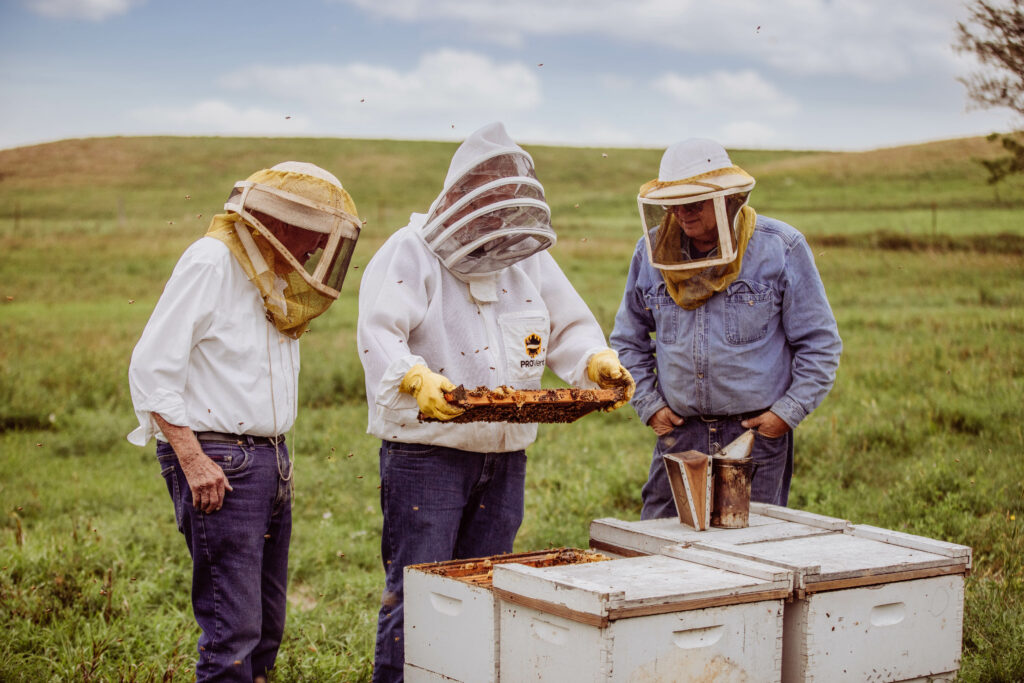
<point>751,422</point>
<point>676,419</point>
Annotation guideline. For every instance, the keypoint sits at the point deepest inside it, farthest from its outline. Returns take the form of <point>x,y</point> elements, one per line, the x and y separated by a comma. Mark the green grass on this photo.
<point>922,432</point>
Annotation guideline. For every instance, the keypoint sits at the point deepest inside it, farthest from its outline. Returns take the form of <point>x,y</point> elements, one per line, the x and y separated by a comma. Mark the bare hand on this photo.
<point>664,421</point>
<point>207,482</point>
<point>767,424</point>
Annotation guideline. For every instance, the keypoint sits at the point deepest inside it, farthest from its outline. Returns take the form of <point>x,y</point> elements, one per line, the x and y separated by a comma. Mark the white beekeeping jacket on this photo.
<point>413,310</point>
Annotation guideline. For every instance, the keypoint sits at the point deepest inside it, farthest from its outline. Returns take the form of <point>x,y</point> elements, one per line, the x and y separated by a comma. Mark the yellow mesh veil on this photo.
<point>691,288</point>
<point>290,301</point>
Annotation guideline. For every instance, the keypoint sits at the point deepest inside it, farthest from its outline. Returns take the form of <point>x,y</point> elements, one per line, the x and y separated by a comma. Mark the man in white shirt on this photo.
<point>469,292</point>
<point>215,378</point>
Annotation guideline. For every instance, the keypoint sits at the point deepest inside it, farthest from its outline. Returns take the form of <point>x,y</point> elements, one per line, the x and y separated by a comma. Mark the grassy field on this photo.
<point>923,263</point>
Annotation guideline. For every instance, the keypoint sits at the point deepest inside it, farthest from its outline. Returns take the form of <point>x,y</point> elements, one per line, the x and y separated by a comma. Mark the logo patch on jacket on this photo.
<point>532,344</point>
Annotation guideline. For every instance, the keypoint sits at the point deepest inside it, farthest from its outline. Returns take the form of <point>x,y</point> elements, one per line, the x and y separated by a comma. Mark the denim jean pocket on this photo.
<point>234,460</point>
<point>167,462</point>
<point>169,471</point>
<point>671,442</point>
<point>410,449</point>
<point>768,439</point>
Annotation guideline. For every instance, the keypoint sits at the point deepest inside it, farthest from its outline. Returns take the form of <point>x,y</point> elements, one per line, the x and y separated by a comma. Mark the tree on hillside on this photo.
<point>994,33</point>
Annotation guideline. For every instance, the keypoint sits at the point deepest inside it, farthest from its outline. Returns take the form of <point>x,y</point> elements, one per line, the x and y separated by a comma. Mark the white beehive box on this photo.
<point>618,538</point>
<point>696,616</point>
<point>871,604</point>
<point>451,616</point>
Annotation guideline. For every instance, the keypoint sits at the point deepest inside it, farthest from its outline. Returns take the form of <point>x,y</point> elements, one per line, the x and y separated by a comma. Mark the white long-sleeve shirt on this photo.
<point>208,358</point>
<point>413,310</point>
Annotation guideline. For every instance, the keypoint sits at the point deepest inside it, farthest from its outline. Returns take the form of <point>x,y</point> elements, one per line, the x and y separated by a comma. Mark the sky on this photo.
<point>785,74</point>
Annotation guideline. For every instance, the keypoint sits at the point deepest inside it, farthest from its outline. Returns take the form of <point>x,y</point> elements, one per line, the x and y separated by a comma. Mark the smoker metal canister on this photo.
<point>730,503</point>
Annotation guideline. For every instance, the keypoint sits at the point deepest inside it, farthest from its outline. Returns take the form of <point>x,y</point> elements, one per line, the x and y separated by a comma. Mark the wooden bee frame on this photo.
<point>504,404</point>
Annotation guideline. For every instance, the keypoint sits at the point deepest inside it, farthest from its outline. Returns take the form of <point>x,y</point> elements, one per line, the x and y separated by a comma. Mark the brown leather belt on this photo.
<point>239,439</point>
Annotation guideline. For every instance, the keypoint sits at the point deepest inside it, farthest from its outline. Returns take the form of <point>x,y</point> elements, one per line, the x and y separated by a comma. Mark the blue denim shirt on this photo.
<point>768,341</point>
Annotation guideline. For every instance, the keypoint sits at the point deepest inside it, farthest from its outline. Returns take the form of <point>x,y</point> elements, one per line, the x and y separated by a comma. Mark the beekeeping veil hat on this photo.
<point>292,228</point>
<point>491,212</point>
<point>696,170</point>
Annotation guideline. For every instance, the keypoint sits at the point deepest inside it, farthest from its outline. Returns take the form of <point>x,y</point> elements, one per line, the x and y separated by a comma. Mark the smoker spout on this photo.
<point>739,448</point>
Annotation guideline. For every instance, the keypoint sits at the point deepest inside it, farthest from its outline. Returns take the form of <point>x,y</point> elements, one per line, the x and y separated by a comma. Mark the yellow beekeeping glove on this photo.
<point>607,372</point>
<point>428,389</point>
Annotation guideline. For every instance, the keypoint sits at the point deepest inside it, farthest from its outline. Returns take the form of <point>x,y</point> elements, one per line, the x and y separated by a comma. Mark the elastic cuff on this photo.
<point>579,376</point>
<point>388,393</point>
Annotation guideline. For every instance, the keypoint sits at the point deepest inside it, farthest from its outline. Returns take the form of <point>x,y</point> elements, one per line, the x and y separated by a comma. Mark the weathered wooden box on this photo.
<point>695,616</point>
<point>870,604</point>
<point>451,615</point>
<point>618,538</point>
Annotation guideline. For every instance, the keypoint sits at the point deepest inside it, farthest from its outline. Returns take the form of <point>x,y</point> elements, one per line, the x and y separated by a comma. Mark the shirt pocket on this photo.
<point>748,308</point>
<point>525,338</point>
<point>666,316</point>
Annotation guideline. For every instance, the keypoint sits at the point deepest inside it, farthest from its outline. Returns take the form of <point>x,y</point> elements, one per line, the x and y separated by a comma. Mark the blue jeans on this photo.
<point>439,504</point>
<point>774,458</point>
<point>239,558</point>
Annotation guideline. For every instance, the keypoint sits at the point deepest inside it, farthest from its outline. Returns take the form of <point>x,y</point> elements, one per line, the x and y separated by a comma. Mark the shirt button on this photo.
<point>700,375</point>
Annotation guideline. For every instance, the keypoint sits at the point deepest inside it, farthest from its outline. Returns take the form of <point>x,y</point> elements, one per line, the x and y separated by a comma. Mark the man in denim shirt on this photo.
<point>724,323</point>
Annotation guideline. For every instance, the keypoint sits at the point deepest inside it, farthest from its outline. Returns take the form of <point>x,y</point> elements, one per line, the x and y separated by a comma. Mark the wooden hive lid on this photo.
<point>598,593</point>
<point>647,537</point>
<point>853,558</point>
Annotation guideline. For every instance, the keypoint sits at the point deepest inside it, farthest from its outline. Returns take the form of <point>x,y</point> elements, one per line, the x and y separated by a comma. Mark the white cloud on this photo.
<point>873,40</point>
<point>93,10</point>
<point>219,117</point>
<point>726,90</point>
<point>444,95</point>
<point>748,134</point>
<point>446,80</point>
<point>616,82</point>
<point>593,133</point>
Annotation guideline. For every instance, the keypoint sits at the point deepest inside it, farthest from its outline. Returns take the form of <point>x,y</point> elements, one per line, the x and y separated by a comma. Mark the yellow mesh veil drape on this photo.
<point>691,288</point>
<point>289,300</point>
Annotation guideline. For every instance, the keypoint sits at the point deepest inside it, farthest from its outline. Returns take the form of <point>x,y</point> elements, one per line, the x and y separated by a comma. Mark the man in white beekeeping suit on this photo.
<point>469,292</point>
<point>214,378</point>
